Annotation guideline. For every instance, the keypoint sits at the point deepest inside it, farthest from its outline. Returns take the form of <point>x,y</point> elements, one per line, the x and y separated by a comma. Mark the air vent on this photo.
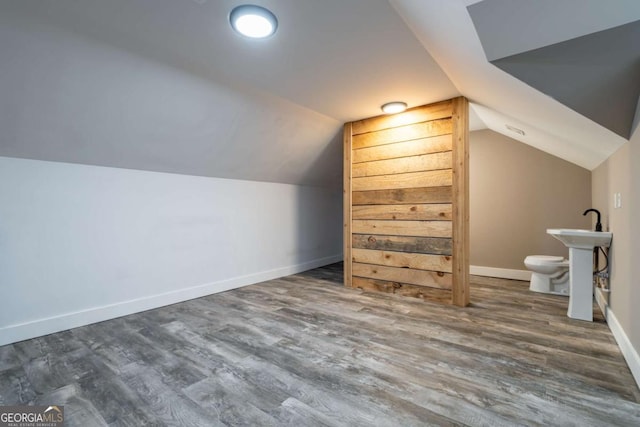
<point>516,130</point>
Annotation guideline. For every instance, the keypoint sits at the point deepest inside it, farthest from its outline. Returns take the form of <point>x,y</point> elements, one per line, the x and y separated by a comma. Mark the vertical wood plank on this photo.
<point>460,192</point>
<point>347,204</point>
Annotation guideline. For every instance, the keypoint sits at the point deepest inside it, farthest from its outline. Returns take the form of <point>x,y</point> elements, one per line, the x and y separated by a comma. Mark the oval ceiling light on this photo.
<point>253,21</point>
<point>394,107</point>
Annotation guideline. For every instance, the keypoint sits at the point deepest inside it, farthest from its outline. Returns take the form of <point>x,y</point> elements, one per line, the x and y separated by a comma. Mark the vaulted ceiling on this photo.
<point>592,66</point>
<point>166,85</point>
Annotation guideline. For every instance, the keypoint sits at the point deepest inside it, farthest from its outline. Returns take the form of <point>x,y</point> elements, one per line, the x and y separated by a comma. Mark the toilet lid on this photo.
<point>546,258</point>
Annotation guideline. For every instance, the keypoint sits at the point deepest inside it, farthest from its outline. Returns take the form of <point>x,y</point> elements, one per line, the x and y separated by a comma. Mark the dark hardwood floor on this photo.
<point>303,350</point>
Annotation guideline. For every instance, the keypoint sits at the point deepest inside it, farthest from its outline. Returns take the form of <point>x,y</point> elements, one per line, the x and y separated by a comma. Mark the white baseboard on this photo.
<point>630,354</point>
<point>503,273</point>
<point>14,333</point>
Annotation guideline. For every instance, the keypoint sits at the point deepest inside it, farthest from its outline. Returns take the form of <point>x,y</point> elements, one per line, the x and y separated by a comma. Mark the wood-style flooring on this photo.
<point>305,351</point>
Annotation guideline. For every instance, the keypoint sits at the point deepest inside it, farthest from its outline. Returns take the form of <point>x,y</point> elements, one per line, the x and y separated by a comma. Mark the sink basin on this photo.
<point>581,239</point>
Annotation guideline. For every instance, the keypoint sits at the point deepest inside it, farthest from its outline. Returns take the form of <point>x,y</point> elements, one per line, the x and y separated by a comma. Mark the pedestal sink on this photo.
<point>581,244</point>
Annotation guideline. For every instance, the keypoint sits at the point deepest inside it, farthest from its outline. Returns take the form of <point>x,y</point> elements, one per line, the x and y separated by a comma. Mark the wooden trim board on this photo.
<point>403,133</point>
<point>430,294</point>
<point>425,211</point>
<point>419,245</point>
<point>422,162</point>
<point>431,279</point>
<point>347,203</point>
<point>402,195</point>
<point>438,178</point>
<point>402,228</point>
<point>460,193</point>
<point>403,259</point>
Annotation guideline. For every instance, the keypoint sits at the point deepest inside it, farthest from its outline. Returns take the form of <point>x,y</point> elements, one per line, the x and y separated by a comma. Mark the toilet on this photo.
<point>549,274</point>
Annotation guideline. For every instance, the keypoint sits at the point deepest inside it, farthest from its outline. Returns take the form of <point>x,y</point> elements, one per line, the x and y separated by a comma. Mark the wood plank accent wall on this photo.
<point>406,207</point>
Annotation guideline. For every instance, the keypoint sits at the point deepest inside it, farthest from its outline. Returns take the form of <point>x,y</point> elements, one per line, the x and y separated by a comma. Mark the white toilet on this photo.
<point>550,274</point>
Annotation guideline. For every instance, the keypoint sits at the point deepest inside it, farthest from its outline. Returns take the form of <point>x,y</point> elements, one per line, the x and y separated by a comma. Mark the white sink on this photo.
<point>581,244</point>
<point>581,239</point>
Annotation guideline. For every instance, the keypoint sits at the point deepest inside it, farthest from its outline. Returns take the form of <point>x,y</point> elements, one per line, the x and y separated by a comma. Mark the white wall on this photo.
<point>80,244</point>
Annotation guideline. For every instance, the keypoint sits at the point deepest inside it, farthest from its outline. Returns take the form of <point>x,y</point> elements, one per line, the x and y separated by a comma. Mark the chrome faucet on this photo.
<point>598,224</point>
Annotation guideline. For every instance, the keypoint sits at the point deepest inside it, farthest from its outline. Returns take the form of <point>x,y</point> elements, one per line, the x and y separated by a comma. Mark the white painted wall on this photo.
<point>80,244</point>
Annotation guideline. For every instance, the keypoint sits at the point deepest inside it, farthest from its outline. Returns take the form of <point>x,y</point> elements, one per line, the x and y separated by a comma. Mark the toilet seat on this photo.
<point>546,260</point>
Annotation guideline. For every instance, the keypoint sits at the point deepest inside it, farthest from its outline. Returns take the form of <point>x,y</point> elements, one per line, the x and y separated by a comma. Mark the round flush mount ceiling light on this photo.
<point>253,21</point>
<point>394,107</point>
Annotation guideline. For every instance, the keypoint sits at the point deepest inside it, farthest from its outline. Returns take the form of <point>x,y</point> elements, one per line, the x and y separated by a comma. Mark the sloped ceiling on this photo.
<point>447,31</point>
<point>166,85</point>
<point>226,106</point>
<point>596,74</point>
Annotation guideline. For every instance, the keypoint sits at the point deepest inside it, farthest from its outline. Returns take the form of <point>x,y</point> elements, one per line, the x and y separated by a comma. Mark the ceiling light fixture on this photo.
<point>253,21</point>
<point>394,107</point>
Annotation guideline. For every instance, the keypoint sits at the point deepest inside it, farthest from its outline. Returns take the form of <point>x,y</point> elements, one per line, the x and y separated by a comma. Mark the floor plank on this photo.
<point>305,351</point>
